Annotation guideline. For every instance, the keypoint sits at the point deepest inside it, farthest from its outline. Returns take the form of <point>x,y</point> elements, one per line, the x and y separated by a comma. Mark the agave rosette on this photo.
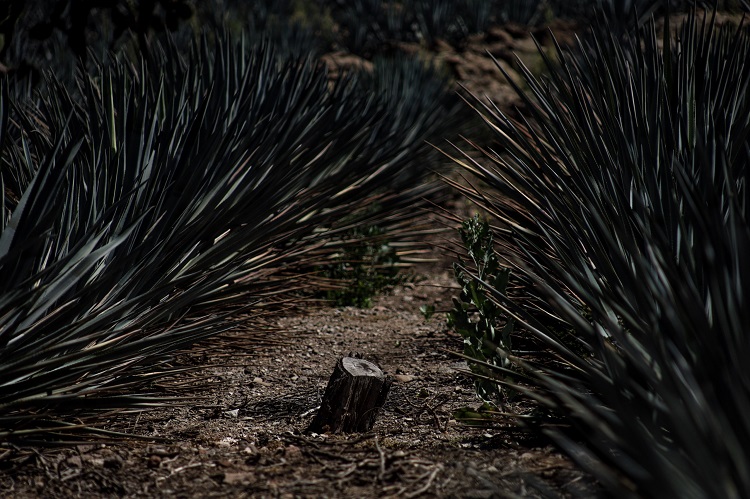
<point>621,198</point>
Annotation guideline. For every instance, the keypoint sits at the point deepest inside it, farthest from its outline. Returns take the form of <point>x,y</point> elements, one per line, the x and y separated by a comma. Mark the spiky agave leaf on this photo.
<point>164,197</point>
<point>623,198</point>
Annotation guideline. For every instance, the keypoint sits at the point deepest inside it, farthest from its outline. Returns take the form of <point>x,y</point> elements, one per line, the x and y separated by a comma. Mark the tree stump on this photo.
<point>355,393</point>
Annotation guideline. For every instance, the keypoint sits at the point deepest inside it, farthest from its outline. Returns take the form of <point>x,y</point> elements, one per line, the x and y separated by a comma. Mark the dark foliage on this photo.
<point>622,195</point>
<point>144,210</point>
<point>32,29</point>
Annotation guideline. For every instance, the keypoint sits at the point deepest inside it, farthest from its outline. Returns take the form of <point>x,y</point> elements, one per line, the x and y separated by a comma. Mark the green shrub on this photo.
<point>366,266</point>
<point>480,321</point>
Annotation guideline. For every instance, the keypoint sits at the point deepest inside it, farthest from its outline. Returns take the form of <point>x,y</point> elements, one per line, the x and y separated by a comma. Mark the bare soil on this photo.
<point>247,437</point>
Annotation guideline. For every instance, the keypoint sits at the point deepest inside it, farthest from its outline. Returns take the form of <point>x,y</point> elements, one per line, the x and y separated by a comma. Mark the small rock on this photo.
<point>259,381</point>
<point>227,441</point>
<point>250,449</point>
<point>237,478</point>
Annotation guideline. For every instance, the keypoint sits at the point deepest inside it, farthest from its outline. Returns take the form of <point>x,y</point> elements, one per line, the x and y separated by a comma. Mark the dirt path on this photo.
<point>247,438</point>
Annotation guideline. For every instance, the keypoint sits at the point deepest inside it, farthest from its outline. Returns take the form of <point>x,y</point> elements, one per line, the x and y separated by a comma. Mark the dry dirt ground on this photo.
<point>248,439</point>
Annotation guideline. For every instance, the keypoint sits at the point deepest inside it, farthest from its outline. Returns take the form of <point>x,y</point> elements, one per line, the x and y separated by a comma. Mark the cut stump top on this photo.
<point>361,367</point>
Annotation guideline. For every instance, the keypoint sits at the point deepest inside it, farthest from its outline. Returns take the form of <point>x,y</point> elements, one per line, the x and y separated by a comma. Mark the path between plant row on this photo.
<point>247,438</point>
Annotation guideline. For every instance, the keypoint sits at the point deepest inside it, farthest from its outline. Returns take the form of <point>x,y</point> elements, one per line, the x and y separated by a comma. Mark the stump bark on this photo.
<point>355,393</point>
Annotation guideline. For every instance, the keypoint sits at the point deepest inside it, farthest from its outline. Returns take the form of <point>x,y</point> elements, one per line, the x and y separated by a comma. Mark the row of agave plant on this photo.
<point>428,21</point>
<point>156,202</point>
<point>620,203</point>
<point>39,34</point>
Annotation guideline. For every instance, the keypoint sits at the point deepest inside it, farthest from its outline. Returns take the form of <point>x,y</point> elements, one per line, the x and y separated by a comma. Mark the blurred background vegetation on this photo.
<point>38,34</point>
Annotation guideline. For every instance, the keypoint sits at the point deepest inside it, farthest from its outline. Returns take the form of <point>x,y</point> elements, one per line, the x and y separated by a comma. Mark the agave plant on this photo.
<point>145,208</point>
<point>621,196</point>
